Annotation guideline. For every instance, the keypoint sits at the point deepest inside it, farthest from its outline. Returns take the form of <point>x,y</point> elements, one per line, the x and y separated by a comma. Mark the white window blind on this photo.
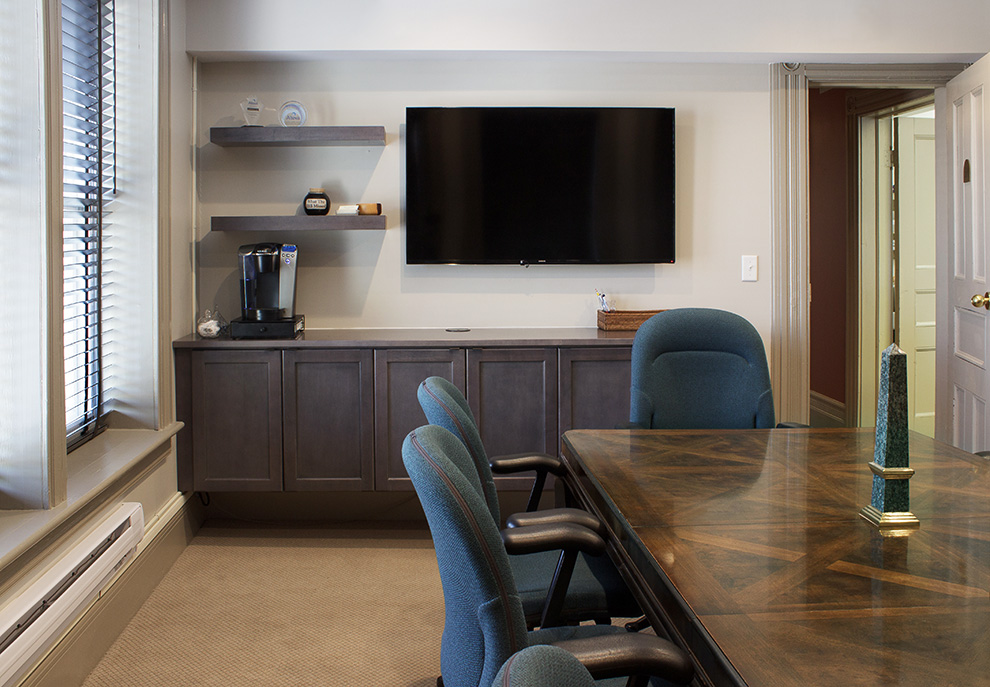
<point>88,186</point>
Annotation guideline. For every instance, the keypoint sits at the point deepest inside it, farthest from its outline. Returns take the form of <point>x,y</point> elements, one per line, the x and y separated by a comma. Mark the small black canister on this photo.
<point>317,202</point>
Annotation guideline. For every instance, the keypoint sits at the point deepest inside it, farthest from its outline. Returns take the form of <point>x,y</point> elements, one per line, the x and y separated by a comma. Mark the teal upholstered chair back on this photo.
<point>484,622</point>
<point>445,405</point>
<point>543,666</point>
<point>699,368</point>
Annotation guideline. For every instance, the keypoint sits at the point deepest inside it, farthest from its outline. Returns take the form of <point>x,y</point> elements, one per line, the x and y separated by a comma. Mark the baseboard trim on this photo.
<point>83,646</point>
<point>827,412</point>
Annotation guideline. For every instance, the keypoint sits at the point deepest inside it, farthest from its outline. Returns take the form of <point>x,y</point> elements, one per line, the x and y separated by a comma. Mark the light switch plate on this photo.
<point>750,267</point>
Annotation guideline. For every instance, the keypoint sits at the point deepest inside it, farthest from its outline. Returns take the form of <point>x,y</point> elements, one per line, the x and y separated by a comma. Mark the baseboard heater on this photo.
<point>38,617</point>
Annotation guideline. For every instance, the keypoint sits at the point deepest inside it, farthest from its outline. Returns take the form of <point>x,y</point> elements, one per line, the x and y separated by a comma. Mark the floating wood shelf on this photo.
<point>272,136</point>
<point>297,223</point>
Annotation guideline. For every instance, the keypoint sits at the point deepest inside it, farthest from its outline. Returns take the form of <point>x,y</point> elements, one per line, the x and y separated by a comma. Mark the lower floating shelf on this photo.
<point>297,223</point>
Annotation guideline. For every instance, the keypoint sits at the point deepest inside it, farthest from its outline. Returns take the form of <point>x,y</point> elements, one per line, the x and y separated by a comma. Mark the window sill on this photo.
<point>104,465</point>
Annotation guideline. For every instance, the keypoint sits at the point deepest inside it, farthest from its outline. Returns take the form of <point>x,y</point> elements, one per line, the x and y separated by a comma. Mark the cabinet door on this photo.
<point>328,420</point>
<point>594,387</point>
<point>237,420</point>
<point>398,373</point>
<point>513,395</point>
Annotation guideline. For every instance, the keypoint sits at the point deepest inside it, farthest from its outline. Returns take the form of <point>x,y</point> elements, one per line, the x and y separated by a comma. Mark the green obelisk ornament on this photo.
<point>890,502</point>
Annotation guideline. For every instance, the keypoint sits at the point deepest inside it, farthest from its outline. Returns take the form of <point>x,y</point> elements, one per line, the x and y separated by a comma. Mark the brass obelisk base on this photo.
<point>890,524</point>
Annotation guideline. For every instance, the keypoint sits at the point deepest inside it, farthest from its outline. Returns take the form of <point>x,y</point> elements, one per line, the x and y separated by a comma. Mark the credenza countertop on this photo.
<point>423,338</point>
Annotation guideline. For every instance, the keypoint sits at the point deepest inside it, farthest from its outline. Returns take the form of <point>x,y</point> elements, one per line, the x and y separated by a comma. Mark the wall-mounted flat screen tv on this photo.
<point>530,185</point>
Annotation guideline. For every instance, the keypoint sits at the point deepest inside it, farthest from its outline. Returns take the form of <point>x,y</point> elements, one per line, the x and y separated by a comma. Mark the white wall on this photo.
<point>760,31</point>
<point>181,172</point>
<point>364,62</point>
<point>359,279</point>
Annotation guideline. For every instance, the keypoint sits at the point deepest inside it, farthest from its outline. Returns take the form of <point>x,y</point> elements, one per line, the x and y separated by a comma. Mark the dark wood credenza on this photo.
<point>329,411</point>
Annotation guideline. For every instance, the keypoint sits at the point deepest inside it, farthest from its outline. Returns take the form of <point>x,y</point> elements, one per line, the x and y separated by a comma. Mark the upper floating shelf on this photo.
<point>247,136</point>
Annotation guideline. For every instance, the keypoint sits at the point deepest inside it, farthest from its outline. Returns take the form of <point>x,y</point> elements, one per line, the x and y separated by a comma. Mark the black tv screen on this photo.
<point>532,185</point>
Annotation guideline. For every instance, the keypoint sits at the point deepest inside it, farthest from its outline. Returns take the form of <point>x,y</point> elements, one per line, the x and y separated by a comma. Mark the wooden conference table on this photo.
<point>747,546</point>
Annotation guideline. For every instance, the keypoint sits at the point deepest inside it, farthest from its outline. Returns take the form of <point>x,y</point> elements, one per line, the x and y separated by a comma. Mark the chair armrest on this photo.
<point>561,536</point>
<point>631,425</point>
<point>630,653</point>
<point>792,425</point>
<point>520,462</point>
<point>566,537</point>
<point>542,463</point>
<point>557,515</point>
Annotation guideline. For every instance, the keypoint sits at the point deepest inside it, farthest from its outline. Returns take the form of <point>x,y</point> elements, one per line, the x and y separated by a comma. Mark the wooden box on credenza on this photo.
<point>628,320</point>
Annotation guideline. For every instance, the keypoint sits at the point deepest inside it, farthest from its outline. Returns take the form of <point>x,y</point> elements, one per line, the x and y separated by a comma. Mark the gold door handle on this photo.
<point>979,301</point>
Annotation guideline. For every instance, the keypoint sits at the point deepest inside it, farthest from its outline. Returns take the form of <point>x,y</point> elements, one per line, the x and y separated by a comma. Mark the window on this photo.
<point>88,187</point>
<point>88,287</point>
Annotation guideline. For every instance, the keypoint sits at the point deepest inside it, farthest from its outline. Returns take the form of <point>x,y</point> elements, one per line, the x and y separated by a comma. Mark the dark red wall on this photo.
<point>828,158</point>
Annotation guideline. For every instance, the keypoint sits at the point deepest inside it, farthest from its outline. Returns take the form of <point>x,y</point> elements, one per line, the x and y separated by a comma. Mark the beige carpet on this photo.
<point>296,606</point>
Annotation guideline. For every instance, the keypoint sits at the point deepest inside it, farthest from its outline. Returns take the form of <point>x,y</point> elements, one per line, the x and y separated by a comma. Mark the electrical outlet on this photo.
<point>750,267</point>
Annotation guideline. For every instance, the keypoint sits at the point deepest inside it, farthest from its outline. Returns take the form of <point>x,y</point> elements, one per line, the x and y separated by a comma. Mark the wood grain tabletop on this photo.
<point>749,546</point>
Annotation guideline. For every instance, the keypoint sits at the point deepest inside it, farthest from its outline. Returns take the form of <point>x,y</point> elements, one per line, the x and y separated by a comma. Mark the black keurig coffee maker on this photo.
<point>268,292</point>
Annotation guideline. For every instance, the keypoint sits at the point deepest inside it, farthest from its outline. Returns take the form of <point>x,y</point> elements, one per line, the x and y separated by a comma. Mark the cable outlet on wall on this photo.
<point>750,267</point>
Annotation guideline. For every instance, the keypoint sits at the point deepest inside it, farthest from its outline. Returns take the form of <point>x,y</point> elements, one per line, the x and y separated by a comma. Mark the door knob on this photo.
<point>979,301</point>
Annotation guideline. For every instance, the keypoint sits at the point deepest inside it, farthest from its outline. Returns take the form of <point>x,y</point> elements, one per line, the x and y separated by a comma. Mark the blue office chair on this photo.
<point>699,368</point>
<point>484,623</point>
<point>596,591</point>
<point>543,666</point>
<point>445,405</point>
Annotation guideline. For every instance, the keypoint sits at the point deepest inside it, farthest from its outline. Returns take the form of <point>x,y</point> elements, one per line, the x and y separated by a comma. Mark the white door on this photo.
<point>967,383</point>
<point>915,146</point>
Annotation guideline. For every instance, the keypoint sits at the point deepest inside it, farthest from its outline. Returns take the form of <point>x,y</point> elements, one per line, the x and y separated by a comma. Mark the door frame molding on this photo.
<point>790,340</point>
<point>866,113</point>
